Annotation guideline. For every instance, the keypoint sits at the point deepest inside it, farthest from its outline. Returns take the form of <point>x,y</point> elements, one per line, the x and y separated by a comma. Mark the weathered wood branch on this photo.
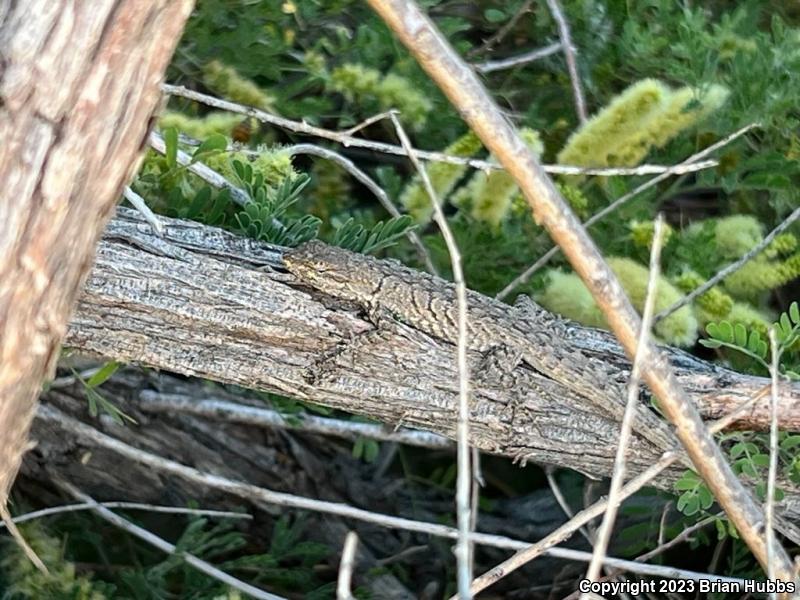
<point>79,82</point>
<point>204,302</point>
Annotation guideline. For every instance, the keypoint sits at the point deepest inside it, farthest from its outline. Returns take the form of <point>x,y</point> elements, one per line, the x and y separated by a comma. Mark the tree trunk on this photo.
<point>79,82</point>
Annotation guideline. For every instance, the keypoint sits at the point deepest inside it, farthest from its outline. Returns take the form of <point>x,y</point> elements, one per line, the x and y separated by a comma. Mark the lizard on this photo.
<point>532,335</point>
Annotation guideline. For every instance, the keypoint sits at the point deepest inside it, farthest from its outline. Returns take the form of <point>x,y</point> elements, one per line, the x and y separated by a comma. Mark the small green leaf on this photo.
<point>215,143</point>
<point>794,312</point>
<point>171,147</point>
<point>494,15</point>
<point>786,324</point>
<point>106,371</point>
<point>740,335</point>
<point>711,343</point>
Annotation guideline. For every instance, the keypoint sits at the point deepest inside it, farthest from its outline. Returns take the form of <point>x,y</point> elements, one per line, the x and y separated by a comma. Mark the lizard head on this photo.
<point>335,271</point>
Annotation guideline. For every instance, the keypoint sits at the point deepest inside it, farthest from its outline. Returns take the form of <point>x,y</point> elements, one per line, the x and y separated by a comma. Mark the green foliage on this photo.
<point>366,449</point>
<point>752,343</point>
<point>98,402</point>
<point>443,177</point>
<point>355,237</point>
<point>375,92</point>
<point>287,565</point>
<point>567,295</point>
<point>229,84</point>
<point>694,496</point>
<point>264,217</point>
<point>647,115</point>
<point>26,582</point>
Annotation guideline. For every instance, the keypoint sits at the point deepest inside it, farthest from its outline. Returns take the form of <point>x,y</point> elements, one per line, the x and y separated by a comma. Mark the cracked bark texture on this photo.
<point>204,302</point>
<point>79,82</point>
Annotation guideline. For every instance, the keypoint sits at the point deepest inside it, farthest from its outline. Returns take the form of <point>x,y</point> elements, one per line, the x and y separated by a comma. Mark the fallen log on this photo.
<point>203,302</point>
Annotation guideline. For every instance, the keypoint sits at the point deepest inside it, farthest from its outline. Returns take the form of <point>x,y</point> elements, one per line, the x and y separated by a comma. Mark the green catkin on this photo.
<point>567,295</point>
<point>361,84</point>
<point>760,275</point>
<point>782,245</point>
<point>736,235</point>
<point>642,233</point>
<point>202,128</point>
<point>682,109</point>
<point>750,317</point>
<point>713,305</point>
<point>443,176</point>
<point>646,115</point>
<point>574,197</point>
<point>26,581</point>
<point>594,144</point>
<point>228,83</point>
<point>489,194</point>
<point>274,164</point>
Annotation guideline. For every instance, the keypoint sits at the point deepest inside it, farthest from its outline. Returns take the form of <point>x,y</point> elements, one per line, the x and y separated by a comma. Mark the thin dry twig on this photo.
<point>178,510</point>
<point>153,401</point>
<point>731,268</point>
<point>692,160</point>
<point>349,166</point>
<point>562,502</point>
<point>683,536</point>
<point>526,555</point>
<point>348,140</point>
<point>368,121</point>
<point>207,174</point>
<point>139,204</point>
<point>769,504</point>
<point>520,59</point>
<point>570,57</point>
<point>464,477</point>
<point>501,33</point>
<point>343,582</point>
<point>618,475</point>
<point>463,88</point>
<point>264,496</point>
<point>165,546</point>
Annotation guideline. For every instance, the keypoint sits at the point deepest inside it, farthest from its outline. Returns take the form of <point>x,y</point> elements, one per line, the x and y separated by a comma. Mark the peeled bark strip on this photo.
<point>203,302</point>
<point>79,82</point>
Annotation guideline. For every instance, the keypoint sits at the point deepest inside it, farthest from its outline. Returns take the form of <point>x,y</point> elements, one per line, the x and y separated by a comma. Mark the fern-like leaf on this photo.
<point>353,236</point>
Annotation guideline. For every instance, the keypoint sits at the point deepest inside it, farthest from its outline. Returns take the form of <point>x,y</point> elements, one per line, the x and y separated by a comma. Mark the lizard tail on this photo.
<point>5,516</point>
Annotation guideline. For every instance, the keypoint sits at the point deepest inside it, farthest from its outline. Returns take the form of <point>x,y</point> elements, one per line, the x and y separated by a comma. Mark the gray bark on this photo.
<point>204,302</point>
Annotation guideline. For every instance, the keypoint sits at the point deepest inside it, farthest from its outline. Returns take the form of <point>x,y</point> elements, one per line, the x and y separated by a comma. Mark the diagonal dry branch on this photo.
<point>466,92</point>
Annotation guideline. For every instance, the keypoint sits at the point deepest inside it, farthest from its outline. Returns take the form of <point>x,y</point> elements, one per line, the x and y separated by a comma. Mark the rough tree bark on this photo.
<point>203,302</point>
<point>79,82</point>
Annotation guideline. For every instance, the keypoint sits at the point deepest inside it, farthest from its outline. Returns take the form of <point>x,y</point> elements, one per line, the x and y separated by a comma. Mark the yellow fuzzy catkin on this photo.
<point>443,176</point>
<point>713,305</point>
<point>227,82</point>
<point>358,83</point>
<point>749,317</point>
<point>646,115</point>
<point>736,235</point>
<point>567,295</point>
<point>760,275</point>
<point>489,194</point>
<point>595,143</point>
<point>274,164</point>
<point>642,233</point>
<point>200,129</point>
